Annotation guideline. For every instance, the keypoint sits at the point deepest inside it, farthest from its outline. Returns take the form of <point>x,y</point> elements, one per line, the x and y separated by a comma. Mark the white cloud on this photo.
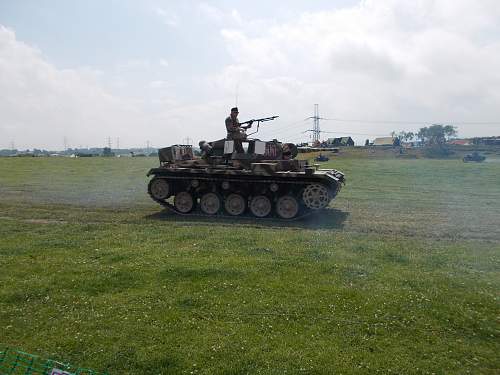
<point>168,17</point>
<point>41,104</point>
<point>164,63</point>
<point>134,65</point>
<point>384,59</point>
<point>210,12</point>
<point>158,84</point>
<point>379,60</point>
<point>231,18</point>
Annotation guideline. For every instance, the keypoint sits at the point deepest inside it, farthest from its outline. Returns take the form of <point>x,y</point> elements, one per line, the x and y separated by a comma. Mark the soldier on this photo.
<point>235,131</point>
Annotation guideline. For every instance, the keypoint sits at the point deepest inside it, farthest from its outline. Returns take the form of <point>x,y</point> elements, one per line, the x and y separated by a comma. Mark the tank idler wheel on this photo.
<point>159,189</point>
<point>287,207</point>
<point>260,206</point>
<point>183,202</point>
<point>210,203</point>
<point>316,196</point>
<point>235,204</point>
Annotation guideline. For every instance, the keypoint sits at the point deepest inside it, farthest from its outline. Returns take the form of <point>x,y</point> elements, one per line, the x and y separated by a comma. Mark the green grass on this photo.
<point>400,276</point>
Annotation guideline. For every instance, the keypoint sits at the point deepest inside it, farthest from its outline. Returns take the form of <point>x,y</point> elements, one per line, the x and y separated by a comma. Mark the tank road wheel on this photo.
<point>183,202</point>
<point>316,196</point>
<point>210,203</point>
<point>159,189</point>
<point>235,204</point>
<point>260,206</point>
<point>287,207</point>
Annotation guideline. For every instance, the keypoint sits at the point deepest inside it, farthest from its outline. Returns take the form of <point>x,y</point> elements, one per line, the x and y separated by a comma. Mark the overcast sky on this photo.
<point>166,70</point>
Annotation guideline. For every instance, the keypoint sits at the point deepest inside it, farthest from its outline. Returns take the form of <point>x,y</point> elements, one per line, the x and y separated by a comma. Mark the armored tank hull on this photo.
<point>474,157</point>
<point>247,185</point>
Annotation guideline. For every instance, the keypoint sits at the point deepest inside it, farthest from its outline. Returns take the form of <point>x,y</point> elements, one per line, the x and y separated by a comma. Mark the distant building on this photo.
<point>489,141</point>
<point>342,141</point>
<point>383,141</point>
<point>460,142</point>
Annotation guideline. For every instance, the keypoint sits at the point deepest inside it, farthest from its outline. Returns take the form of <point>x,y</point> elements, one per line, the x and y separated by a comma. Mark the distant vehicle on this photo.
<point>84,155</point>
<point>475,157</point>
<point>134,155</point>
<point>321,157</point>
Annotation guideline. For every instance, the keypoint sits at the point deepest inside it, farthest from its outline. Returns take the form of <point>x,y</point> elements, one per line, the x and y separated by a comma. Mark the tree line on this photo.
<point>432,135</point>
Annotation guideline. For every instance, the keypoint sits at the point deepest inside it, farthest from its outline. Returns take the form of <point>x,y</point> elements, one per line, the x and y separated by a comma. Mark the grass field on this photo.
<point>401,275</point>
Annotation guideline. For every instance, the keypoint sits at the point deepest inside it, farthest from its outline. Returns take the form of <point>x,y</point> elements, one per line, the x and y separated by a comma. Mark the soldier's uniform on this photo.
<point>235,134</point>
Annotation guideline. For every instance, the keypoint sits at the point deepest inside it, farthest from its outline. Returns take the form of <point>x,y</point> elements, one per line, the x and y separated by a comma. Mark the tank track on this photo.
<point>303,213</point>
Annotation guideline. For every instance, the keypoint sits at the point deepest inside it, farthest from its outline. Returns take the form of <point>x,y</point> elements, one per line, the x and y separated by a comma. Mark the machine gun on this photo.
<point>258,121</point>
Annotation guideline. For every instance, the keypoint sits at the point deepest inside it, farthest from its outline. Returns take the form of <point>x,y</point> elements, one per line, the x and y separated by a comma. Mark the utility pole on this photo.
<point>316,130</point>
<point>65,142</point>
<point>109,142</point>
<point>187,141</point>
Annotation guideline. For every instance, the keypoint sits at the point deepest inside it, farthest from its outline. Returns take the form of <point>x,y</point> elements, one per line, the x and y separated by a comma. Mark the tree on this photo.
<point>106,151</point>
<point>407,136</point>
<point>436,134</point>
<point>403,135</point>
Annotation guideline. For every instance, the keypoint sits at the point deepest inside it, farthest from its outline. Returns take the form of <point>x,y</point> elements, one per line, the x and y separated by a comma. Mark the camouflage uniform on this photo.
<point>234,133</point>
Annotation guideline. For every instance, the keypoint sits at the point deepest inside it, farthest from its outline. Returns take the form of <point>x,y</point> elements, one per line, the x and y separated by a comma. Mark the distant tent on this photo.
<point>342,141</point>
<point>383,141</point>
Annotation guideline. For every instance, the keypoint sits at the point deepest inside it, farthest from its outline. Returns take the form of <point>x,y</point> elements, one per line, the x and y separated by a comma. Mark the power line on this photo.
<point>414,122</point>
<point>299,122</point>
<point>292,125</point>
<point>316,131</point>
<point>349,132</point>
<point>285,131</point>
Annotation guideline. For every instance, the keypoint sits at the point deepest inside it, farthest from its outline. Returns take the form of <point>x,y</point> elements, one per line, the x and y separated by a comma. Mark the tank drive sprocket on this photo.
<point>316,196</point>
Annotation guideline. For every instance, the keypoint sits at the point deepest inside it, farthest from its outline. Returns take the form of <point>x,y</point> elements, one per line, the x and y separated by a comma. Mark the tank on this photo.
<point>475,156</point>
<point>264,181</point>
<point>321,157</point>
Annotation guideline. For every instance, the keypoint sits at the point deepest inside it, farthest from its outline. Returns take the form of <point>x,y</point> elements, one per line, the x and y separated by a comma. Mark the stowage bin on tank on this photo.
<point>264,181</point>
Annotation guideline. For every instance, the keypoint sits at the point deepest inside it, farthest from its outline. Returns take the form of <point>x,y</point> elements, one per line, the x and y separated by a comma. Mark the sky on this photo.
<point>163,71</point>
